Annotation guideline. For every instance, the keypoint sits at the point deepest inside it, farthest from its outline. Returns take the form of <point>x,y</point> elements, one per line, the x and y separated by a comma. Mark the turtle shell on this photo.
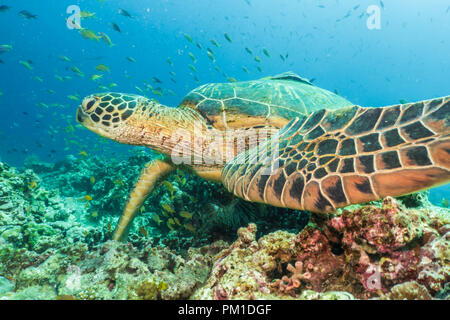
<point>270,101</point>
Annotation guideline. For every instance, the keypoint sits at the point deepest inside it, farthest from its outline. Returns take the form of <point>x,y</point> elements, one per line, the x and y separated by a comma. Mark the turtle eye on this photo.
<point>89,104</point>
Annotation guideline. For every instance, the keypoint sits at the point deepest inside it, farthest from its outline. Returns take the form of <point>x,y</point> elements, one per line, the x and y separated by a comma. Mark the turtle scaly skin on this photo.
<point>332,159</point>
<point>332,153</point>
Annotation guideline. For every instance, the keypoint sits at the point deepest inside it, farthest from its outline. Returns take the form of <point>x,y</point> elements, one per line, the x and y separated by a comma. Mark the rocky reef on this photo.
<point>386,252</point>
<point>193,240</point>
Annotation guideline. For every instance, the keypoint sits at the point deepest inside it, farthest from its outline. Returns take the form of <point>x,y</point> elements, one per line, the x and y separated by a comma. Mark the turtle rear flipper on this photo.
<point>334,158</point>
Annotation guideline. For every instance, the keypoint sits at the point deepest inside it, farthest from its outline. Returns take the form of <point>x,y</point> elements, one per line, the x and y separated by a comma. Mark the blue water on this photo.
<point>408,58</point>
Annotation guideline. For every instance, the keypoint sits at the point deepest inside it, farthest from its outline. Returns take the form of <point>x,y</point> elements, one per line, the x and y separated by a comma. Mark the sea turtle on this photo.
<point>282,141</point>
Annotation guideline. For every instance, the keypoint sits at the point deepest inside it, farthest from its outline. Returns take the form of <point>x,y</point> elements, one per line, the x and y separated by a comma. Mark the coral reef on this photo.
<point>56,221</point>
<point>365,252</point>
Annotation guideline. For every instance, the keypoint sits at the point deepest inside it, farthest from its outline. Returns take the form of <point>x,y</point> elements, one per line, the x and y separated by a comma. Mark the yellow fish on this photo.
<point>177,221</point>
<point>87,197</point>
<point>32,185</point>
<point>190,227</point>
<point>186,214</point>
<point>169,186</point>
<point>156,218</point>
<point>102,67</point>
<point>167,207</point>
<point>86,14</point>
<point>83,153</point>
<point>169,225</point>
<point>89,34</point>
<point>96,77</point>
<point>92,179</point>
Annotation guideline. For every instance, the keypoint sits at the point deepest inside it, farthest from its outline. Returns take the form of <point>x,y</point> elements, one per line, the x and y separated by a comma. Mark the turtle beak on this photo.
<point>81,116</point>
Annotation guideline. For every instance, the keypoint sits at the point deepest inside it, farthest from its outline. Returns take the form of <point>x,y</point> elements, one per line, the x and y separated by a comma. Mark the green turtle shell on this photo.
<point>268,101</point>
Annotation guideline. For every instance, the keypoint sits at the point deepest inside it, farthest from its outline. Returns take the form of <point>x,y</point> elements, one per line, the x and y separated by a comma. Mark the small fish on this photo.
<point>231,79</point>
<point>177,221</point>
<point>32,185</point>
<point>83,153</point>
<point>89,34</point>
<point>156,218</point>
<point>186,214</point>
<point>27,15</point>
<point>86,14</point>
<point>156,80</point>
<point>199,46</point>
<point>5,48</point>
<point>102,67</point>
<point>94,214</point>
<point>191,55</point>
<point>173,73</point>
<point>4,8</point>
<point>125,13</point>
<point>38,79</point>
<point>59,77</point>
<point>169,61</point>
<point>282,57</point>
<point>266,52</point>
<point>192,68</point>
<point>259,68</point>
<point>382,4</point>
<point>77,71</point>
<point>190,227</point>
<point>143,231</point>
<point>257,59</point>
<point>64,58</point>
<point>188,38</point>
<point>210,55</point>
<point>445,203</point>
<point>51,91</point>
<point>403,101</point>
<point>112,85</point>
<point>249,51</point>
<point>115,27</point>
<point>215,43</point>
<point>169,186</point>
<point>106,39</point>
<point>87,198</point>
<point>227,36</point>
<point>131,59</point>
<point>96,77</point>
<point>169,225</point>
<point>245,69</point>
<point>108,226</point>
<point>26,64</point>
<point>168,208</point>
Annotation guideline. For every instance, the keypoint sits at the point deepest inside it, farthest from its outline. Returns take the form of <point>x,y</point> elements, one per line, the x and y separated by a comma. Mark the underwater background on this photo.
<point>70,184</point>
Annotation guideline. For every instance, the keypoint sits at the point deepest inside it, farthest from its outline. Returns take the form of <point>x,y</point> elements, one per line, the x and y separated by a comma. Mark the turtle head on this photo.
<point>132,119</point>
<point>124,118</point>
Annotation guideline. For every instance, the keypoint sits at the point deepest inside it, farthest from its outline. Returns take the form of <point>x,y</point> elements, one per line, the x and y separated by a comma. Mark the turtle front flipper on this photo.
<point>332,159</point>
<point>152,172</point>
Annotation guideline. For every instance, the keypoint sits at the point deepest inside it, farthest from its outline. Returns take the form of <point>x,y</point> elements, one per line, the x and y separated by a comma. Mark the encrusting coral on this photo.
<point>365,252</point>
